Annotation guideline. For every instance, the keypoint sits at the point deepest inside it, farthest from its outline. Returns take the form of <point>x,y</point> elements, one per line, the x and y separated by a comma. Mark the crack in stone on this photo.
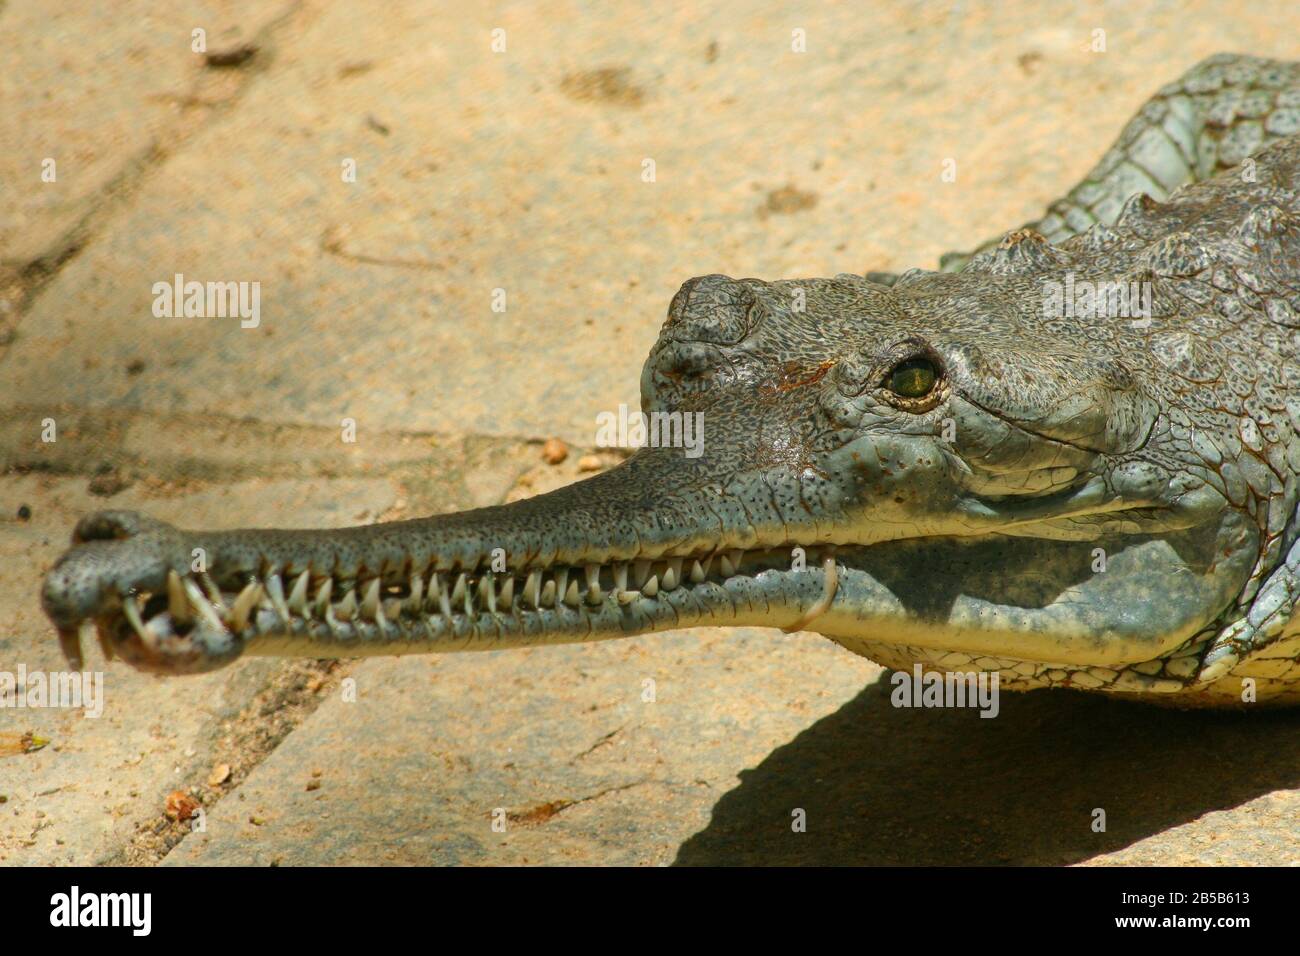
<point>543,812</point>
<point>23,282</point>
<point>599,743</point>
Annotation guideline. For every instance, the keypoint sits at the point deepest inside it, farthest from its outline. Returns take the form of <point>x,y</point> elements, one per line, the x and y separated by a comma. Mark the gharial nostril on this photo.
<point>105,526</point>
<point>689,360</point>
<point>714,309</point>
<point>92,529</point>
<point>116,526</point>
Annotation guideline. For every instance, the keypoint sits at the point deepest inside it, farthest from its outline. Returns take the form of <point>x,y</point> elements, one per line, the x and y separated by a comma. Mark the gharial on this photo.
<point>1070,457</point>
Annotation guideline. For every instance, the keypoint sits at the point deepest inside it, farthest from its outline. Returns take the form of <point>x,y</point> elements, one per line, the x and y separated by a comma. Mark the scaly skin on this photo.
<point>953,470</point>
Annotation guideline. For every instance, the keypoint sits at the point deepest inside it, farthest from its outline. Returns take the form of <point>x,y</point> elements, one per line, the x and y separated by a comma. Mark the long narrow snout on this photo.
<point>610,556</point>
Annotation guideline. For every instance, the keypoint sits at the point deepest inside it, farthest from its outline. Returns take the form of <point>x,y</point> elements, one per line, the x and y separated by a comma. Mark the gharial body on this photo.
<point>1070,458</point>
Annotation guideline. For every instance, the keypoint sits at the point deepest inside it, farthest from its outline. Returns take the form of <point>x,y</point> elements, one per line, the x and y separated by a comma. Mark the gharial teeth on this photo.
<point>347,608</point>
<point>416,601</point>
<point>370,602</point>
<point>244,605</point>
<point>537,588</point>
<point>214,592</point>
<point>275,590</point>
<point>323,608</point>
<point>372,608</point>
<point>178,604</point>
<point>206,611</point>
<point>298,596</point>
<point>132,612</point>
<point>620,582</point>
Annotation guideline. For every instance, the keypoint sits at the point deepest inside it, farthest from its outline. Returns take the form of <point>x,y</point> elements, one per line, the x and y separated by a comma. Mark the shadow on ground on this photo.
<point>884,786</point>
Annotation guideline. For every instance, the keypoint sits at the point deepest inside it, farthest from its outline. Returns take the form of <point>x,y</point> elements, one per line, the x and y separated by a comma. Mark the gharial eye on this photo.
<point>913,378</point>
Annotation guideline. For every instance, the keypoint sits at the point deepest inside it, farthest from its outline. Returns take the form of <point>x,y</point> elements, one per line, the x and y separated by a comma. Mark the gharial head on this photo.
<point>934,471</point>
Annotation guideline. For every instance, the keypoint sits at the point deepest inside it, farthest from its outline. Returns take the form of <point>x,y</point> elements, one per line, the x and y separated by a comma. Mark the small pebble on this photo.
<point>554,451</point>
<point>229,58</point>
<point>107,484</point>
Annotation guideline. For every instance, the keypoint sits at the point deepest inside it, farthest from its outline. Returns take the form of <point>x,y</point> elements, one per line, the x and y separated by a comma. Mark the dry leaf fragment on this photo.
<point>24,743</point>
<point>180,805</point>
